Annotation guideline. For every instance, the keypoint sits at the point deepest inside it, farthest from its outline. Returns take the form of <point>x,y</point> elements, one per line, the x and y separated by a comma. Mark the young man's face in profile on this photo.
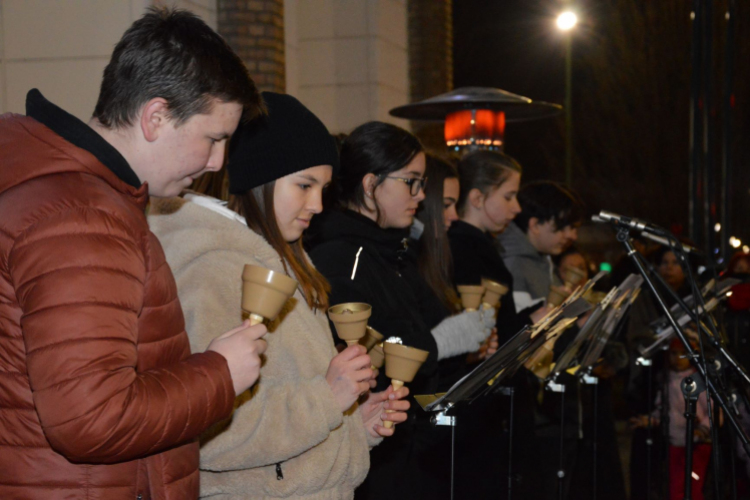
<point>184,153</point>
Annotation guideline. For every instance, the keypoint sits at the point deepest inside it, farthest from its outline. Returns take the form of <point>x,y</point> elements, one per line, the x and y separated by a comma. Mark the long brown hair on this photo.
<point>435,260</point>
<point>256,206</point>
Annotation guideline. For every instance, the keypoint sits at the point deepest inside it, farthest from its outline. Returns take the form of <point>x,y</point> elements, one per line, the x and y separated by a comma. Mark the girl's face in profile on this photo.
<point>396,203</point>
<point>574,260</point>
<point>450,198</point>
<point>501,204</point>
<point>297,197</point>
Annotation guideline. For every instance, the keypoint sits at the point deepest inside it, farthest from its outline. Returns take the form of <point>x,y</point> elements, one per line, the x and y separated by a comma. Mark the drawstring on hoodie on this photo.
<point>356,263</point>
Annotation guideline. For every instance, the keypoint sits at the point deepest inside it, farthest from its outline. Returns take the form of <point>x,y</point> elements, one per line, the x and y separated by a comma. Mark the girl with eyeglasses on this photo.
<point>362,249</point>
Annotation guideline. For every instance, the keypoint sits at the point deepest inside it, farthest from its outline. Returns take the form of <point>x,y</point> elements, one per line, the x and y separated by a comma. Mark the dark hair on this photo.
<point>483,170</point>
<point>256,206</point>
<point>549,201</point>
<point>373,148</point>
<point>571,250</point>
<point>174,55</point>
<point>657,256</point>
<point>435,262</point>
<point>736,258</point>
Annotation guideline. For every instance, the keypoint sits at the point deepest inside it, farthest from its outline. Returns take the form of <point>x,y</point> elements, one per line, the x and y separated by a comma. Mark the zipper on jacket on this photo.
<point>139,497</point>
<point>279,473</point>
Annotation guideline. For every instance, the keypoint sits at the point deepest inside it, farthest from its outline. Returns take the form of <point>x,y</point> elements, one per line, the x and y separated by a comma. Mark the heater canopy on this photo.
<point>516,108</point>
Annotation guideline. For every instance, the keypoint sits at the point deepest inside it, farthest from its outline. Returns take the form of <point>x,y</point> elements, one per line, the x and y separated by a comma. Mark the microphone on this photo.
<point>635,224</point>
<point>646,230</point>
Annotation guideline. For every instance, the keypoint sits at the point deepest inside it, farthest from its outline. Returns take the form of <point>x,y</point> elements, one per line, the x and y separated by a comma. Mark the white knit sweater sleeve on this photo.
<point>461,333</point>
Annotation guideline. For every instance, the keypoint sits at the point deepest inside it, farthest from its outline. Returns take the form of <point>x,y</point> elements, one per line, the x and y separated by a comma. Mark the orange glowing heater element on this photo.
<point>475,127</point>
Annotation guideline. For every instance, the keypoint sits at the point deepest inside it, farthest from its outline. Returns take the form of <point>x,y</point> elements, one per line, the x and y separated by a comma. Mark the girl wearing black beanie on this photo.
<point>300,431</point>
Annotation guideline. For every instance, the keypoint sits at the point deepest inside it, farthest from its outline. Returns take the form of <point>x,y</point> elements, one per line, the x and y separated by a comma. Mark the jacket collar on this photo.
<point>197,227</point>
<point>466,230</point>
<point>348,225</point>
<point>80,135</point>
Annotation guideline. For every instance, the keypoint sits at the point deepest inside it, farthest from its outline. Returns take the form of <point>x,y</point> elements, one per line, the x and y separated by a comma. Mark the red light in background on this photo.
<point>480,127</point>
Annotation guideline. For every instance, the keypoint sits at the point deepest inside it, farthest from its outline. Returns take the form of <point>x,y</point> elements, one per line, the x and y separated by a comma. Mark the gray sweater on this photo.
<point>532,271</point>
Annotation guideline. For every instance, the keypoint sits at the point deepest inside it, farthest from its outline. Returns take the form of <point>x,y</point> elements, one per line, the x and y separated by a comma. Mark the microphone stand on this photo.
<point>701,311</point>
<point>623,235</point>
<point>691,389</point>
<point>711,334</point>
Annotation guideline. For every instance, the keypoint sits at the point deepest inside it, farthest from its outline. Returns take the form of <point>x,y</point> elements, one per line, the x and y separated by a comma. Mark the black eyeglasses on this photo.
<point>415,185</point>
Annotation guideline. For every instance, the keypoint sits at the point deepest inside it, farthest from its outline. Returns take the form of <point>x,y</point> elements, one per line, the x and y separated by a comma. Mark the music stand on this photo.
<point>503,364</point>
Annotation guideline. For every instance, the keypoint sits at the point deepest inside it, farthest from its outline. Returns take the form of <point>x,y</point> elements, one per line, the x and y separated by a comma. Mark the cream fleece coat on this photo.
<point>290,417</point>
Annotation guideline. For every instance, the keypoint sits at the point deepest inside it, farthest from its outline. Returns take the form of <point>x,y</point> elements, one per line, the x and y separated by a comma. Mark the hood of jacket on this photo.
<point>26,142</point>
<point>217,229</point>
<point>514,243</point>
<point>346,225</point>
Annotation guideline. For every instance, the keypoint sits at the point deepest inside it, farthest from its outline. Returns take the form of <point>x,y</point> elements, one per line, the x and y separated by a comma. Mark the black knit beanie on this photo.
<point>289,139</point>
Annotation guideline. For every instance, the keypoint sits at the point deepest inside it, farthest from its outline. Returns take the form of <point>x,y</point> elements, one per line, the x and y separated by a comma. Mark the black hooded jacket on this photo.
<point>475,257</point>
<point>366,263</point>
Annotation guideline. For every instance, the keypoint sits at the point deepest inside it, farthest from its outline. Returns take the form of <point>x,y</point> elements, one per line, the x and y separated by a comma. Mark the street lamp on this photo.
<point>566,21</point>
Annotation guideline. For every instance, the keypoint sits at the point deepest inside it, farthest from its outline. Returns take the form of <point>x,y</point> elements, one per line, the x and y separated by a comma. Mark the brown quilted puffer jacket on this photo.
<point>99,395</point>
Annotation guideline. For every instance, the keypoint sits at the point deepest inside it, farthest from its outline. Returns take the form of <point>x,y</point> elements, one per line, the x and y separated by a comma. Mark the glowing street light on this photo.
<point>735,242</point>
<point>567,20</point>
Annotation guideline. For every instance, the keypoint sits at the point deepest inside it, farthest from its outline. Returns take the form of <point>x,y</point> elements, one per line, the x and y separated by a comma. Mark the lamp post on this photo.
<point>566,21</point>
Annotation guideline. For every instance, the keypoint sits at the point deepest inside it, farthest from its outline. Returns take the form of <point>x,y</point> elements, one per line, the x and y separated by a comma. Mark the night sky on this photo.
<point>514,45</point>
<point>631,95</point>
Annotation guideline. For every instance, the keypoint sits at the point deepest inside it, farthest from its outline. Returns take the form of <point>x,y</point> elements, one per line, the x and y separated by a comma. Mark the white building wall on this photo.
<point>345,59</point>
<point>62,46</point>
<point>348,59</point>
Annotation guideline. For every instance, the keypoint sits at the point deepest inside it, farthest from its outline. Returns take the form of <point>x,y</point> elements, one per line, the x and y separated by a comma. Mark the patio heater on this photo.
<point>475,117</point>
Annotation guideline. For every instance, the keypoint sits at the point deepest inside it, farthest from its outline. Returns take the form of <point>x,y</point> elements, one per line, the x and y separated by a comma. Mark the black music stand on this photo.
<point>502,365</point>
<point>584,351</point>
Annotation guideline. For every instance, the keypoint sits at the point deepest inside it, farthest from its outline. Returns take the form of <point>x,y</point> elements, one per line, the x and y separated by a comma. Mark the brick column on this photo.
<point>255,30</point>
<point>430,60</point>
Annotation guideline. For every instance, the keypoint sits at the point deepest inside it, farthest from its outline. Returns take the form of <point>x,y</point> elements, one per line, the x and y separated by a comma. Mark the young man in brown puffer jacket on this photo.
<point>99,394</point>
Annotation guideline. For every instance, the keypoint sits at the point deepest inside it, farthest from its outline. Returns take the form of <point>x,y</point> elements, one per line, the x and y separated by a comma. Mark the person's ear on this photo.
<point>534,225</point>
<point>154,117</point>
<point>476,198</point>
<point>369,183</point>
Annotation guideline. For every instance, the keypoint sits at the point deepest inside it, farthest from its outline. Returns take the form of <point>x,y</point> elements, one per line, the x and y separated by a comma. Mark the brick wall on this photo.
<point>430,60</point>
<point>255,30</point>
